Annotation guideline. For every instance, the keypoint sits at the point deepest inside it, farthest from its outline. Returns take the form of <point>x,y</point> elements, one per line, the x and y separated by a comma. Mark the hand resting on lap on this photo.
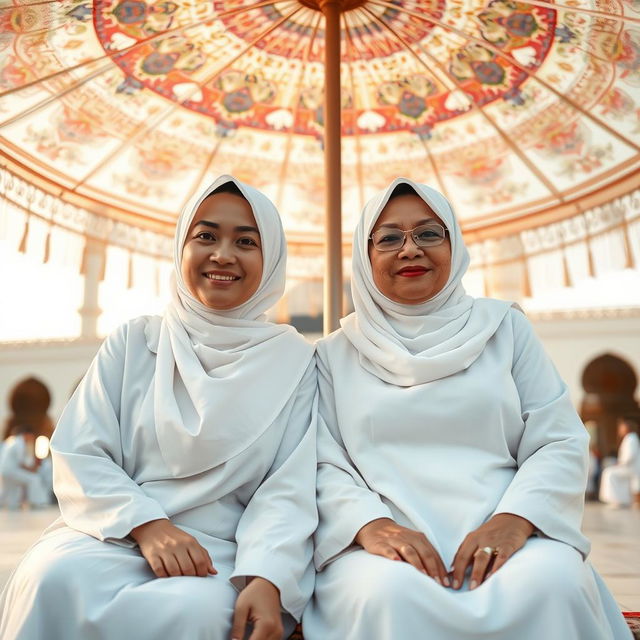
<point>258,604</point>
<point>170,551</point>
<point>384,537</point>
<point>505,533</point>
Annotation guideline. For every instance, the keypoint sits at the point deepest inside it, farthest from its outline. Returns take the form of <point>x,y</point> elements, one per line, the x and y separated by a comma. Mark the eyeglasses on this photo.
<point>426,235</point>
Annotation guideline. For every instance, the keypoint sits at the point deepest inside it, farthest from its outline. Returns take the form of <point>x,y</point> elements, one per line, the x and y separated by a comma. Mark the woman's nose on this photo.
<point>222,254</point>
<point>410,249</point>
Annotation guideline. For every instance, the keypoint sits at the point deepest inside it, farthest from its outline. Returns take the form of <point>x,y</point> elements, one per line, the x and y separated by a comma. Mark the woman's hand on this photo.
<point>258,604</point>
<point>505,533</point>
<point>170,551</point>
<point>383,537</point>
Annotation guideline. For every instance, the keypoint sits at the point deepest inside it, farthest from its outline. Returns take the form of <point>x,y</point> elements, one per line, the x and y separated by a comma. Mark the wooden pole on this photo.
<point>332,167</point>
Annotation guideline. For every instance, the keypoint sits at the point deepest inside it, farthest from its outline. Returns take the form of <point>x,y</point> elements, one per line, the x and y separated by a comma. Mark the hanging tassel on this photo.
<point>526,282</point>
<point>85,258</point>
<point>47,246</point>
<point>629,262</point>
<point>22,247</point>
<point>592,271</point>
<point>130,276</point>
<point>566,276</point>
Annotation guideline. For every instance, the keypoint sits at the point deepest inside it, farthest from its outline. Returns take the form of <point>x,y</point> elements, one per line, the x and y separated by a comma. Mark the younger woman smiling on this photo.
<point>180,472</point>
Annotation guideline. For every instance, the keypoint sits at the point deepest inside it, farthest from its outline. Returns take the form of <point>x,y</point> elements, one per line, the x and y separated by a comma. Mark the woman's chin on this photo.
<point>410,295</point>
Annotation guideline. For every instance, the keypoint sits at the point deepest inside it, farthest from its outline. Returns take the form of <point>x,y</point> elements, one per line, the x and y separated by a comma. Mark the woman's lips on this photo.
<point>412,272</point>
<point>221,278</point>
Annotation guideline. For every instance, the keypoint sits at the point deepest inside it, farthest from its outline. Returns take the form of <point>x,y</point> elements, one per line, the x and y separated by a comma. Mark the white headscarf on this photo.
<point>222,377</point>
<point>406,344</point>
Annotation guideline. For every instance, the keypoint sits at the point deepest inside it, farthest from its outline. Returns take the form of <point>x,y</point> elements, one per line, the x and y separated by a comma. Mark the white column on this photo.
<point>93,268</point>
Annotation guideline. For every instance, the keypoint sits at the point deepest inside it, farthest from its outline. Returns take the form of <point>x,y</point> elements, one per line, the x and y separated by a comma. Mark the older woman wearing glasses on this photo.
<point>452,464</point>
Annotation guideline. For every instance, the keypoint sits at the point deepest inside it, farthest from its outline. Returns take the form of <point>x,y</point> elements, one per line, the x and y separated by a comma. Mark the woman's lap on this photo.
<point>72,585</point>
<point>545,584</point>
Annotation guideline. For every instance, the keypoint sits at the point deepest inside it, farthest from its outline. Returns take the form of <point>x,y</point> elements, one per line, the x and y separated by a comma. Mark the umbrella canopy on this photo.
<point>512,108</point>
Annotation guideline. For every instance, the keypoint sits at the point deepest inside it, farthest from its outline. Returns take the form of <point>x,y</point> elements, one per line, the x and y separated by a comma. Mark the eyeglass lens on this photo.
<point>428,235</point>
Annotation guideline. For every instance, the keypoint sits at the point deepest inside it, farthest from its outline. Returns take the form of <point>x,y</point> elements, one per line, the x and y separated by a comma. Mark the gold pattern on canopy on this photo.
<point>521,111</point>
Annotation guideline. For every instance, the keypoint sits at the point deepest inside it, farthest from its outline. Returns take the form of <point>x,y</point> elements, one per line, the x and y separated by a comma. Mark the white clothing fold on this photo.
<point>442,458</point>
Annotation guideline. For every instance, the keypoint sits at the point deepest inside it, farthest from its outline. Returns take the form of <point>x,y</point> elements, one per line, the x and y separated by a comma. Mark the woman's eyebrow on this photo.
<point>393,225</point>
<point>215,225</point>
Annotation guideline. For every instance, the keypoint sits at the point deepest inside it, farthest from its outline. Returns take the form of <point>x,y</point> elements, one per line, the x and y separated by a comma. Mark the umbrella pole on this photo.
<point>332,168</point>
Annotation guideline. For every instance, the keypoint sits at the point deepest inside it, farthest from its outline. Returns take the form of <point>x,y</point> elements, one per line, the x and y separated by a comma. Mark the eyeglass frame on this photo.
<point>404,239</point>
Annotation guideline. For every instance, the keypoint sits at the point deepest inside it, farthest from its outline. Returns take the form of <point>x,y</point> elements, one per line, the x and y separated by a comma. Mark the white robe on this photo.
<point>442,458</point>
<point>620,481</point>
<point>254,513</point>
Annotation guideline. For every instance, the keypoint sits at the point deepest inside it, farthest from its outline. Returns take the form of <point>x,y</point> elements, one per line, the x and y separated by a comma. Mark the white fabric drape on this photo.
<point>212,365</point>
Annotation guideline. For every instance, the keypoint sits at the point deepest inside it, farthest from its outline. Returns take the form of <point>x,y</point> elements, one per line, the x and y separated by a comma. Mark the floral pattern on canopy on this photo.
<point>510,107</point>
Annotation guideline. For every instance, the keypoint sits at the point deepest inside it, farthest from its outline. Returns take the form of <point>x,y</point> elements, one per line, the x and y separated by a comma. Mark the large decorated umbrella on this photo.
<point>521,111</point>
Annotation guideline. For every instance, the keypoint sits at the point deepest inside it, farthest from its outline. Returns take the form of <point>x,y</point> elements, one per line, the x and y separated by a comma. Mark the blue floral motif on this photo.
<point>158,64</point>
<point>564,34</point>
<point>225,128</point>
<point>238,101</point>
<point>82,12</point>
<point>423,131</point>
<point>488,72</point>
<point>130,11</point>
<point>412,105</point>
<point>129,86</point>
<point>514,96</point>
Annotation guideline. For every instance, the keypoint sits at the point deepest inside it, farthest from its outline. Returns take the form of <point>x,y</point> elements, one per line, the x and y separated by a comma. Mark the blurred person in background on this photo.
<point>20,482</point>
<point>621,481</point>
<point>594,470</point>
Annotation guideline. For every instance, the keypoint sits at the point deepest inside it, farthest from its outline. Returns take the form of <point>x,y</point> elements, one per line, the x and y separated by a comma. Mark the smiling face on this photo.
<point>222,253</point>
<point>412,274</point>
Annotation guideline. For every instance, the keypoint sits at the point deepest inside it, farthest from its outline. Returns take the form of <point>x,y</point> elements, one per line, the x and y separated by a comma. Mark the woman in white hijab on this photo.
<point>185,461</point>
<point>451,463</point>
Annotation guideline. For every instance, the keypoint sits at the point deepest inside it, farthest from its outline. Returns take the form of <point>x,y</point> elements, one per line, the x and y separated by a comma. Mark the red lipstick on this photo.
<point>412,271</point>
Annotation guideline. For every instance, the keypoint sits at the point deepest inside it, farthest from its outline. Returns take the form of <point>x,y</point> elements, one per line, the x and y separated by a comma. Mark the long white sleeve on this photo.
<point>345,502</point>
<point>552,457</point>
<point>95,494</point>
<point>274,534</point>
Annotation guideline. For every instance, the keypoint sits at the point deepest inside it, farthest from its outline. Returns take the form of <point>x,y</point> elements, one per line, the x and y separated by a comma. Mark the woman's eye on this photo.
<point>388,238</point>
<point>247,242</point>
<point>429,234</point>
<point>206,235</point>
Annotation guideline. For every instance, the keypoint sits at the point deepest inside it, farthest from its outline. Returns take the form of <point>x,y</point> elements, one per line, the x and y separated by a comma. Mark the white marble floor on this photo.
<point>614,533</point>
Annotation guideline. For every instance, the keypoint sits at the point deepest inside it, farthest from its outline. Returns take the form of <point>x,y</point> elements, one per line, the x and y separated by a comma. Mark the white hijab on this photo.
<point>405,344</point>
<point>222,377</point>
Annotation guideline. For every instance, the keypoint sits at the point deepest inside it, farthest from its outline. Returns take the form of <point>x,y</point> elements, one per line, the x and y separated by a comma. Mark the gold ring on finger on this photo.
<point>490,551</point>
